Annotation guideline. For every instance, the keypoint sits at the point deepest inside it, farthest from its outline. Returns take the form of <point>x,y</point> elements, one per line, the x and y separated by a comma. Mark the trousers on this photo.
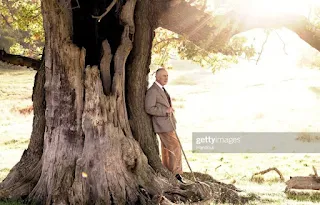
<point>171,152</point>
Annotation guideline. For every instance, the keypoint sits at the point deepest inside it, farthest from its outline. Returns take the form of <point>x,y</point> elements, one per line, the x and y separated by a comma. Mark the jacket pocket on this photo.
<point>163,122</point>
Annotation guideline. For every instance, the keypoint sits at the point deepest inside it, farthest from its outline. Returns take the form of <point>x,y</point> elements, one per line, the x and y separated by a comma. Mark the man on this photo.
<point>158,105</point>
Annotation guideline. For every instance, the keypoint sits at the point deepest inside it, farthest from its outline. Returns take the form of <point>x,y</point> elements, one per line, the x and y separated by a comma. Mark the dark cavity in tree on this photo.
<point>89,33</point>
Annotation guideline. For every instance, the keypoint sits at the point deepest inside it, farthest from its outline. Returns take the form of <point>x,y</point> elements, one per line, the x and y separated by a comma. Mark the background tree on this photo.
<point>21,27</point>
<point>167,44</point>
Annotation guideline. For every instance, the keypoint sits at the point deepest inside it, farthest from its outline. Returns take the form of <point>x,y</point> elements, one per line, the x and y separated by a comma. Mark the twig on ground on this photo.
<point>268,170</point>
<point>315,171</point>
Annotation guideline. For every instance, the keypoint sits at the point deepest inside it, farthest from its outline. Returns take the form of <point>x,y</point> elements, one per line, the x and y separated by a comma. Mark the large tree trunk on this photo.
<point>90,155</point>
<point>89,152</point>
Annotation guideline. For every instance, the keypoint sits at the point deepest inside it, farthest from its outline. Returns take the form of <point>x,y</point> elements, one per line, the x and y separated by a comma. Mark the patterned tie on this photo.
<point>168,96</point>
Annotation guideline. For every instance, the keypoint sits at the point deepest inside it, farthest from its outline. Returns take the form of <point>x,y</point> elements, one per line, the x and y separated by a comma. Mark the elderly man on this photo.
<point>158,105</point>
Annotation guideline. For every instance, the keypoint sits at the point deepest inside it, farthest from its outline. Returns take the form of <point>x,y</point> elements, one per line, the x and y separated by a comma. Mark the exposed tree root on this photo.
<point>22,188</point>
<point>202,192</point>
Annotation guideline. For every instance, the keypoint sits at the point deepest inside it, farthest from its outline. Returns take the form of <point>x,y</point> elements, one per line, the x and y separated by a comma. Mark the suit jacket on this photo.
<point>156,105</point>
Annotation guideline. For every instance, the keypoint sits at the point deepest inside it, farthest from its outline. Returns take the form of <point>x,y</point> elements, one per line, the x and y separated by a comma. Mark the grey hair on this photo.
<point>159,69</point>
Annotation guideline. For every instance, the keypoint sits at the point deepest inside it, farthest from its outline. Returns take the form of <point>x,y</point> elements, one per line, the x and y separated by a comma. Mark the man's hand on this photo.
<point>170,110</point>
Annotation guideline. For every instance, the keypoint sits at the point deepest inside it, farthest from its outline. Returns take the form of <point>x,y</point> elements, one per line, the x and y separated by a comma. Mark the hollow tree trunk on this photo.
<point>91,153</point>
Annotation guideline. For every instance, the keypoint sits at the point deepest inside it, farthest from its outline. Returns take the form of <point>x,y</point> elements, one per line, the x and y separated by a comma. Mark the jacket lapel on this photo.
<point>162,94</point>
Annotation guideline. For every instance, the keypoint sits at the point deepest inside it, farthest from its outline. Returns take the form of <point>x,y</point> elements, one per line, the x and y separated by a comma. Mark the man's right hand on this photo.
<point>169,110</point>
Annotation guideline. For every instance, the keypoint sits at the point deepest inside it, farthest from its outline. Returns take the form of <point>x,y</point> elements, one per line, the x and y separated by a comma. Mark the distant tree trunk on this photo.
<point>92,142</point>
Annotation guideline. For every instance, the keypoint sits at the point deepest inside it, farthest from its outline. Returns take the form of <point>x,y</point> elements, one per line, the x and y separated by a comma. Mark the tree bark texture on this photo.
<point>89,153</point>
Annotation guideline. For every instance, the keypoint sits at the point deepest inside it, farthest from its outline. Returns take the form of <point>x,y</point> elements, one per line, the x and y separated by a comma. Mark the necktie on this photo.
<point>168,96</point>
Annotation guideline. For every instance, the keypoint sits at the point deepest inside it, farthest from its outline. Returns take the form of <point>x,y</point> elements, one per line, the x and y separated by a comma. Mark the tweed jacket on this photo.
<point>156,105</point>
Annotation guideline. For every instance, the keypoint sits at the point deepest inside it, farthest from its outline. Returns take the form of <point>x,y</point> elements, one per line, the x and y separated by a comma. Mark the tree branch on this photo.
<point>284,44</point>
<point>315,171</point>
<point>6,21</point>
<point>106,12</point>
<point>10,8</point>
<point>19,60</point>
<point>268,170</point>
<point>208,31</point>
<point>264,43</point>
<point>168,40</point>
<point>76,7</point>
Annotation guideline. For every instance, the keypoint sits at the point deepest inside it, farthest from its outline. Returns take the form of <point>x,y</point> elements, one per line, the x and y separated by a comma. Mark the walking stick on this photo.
<point>194,178</point>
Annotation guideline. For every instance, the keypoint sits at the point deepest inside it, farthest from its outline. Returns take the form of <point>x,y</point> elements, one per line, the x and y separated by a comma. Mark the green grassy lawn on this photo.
<point>16,114</point>
<point>16,123</point>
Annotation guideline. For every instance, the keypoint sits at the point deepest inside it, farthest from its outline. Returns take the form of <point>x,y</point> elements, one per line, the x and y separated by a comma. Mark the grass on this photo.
<point>183,80</point>
<point>11,202</point>
<point>198,109</point>
<point>260,179</point>
<point>15,102</point>
<point>237,107</point>
<point>308,137</point>
<point>15,143</point>
<point>16,116</point>
<point>305,196</point>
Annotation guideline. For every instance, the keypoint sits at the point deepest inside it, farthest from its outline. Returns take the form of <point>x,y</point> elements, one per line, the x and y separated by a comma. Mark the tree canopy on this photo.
<point>22,29</point>
<point>23,34</point>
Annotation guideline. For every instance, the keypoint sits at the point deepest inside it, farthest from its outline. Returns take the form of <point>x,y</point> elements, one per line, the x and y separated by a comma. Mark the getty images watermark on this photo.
<point>217,140</point>
<point>209,142</point>
<point>251,142</point>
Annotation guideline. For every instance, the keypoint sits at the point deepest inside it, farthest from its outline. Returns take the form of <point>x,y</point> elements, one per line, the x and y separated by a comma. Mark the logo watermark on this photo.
<point>252,142</point>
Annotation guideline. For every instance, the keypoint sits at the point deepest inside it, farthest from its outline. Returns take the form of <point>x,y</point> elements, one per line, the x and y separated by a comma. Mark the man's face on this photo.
<point>162,77</point>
